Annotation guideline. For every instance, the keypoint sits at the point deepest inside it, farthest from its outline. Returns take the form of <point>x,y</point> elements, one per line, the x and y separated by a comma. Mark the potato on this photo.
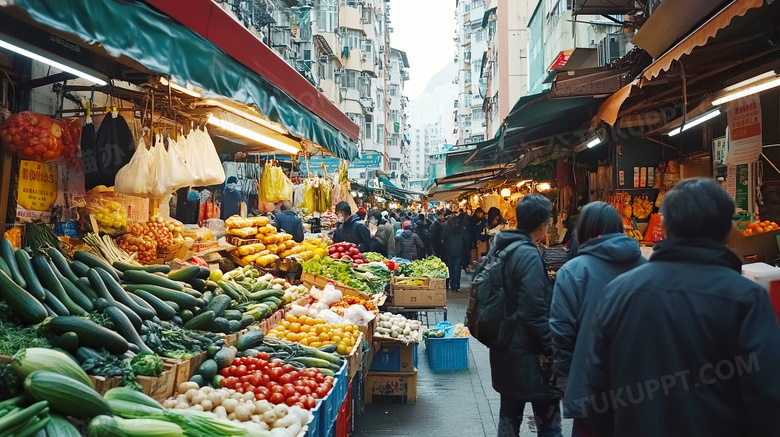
<point>184,387</point>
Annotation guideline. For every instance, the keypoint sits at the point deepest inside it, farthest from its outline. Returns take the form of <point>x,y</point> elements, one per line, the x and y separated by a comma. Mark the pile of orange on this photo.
<point>314,332</point>
<point>759,227</point>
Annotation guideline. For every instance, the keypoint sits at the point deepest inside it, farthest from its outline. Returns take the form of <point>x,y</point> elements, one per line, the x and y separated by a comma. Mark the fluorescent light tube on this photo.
<point>252,135</point>
<point>53,63</point>
<point>594,142</point>
<point>748,91</point>
<point>695,122</point>
<point>243,114</point>
<point>179,88</point>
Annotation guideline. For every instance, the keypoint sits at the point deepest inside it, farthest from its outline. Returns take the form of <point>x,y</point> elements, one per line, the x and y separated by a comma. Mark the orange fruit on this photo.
<point>752,226</point>
<point>768,228</point>
<point>291,318</point>
<point>774,225</point>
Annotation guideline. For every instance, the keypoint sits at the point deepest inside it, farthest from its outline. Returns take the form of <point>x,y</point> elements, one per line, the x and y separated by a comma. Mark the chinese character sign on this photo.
<point>745,142</point>
<point>37,186</point>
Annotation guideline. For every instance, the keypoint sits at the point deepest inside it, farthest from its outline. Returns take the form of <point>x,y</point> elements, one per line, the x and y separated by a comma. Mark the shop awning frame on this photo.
<point>229,62</point>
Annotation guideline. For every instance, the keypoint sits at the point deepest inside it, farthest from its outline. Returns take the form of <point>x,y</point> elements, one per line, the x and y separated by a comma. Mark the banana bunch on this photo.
<point>642,207</point>
<point>660,198</point>
<point>635,234</point>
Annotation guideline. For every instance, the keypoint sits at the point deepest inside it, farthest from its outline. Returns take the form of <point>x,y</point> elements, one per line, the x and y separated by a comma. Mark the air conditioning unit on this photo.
<point>612,47</point>
<point>293,54</point>
<point>323,58</point>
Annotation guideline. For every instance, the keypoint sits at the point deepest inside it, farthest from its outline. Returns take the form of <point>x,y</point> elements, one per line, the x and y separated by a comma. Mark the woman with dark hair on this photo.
<point>384,239</point>
<point>605,252</point>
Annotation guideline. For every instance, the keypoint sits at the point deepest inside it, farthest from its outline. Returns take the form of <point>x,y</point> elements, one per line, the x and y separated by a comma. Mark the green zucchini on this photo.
<point>27,307</point>
<point>207,370</point>
<point>219,324</point>
<point>265,294</point>
<point>87,353</point>
<point>27,361</point>
<point>212,350</point>
<point>277,301</point>
<point>194,293</point>
<point>101,304</point>
<point>65,395</point>
<point>50,281</point>
<point>233,326</point>
<point>121,295</point>
<point>125,329</point>
<point>61,427</point>
<point>61,263</point>
<point>79,268</point>
<point>207,296</point>
<point>55,304</point>
<point>205,272</point>
<point>317,362</point>
<point>74,293</point>
<point>233,314</point>
<point>49,312</point>
<point>176,320</point>
<point>197,284</point>
<point>184,300</point>
<point>141,277</point>
<point>69,341</point>
<point>31,279</point>
<point>224,357</point>
<point>135,319</point>
<point>90,333</point>
<point>99,285</point>
<point>246,320</point>
<point>171,304</point>
<point>7,252</point>
<point>184,274</point>
<point>4,267</point>
<point>123,267</point>
<point>163,309</point>
<point>86,288</point>
<point>200,321</point>
<point>250,340</point>
<point>95,262</point>
<point>229,290</point>
<point>219,304</point>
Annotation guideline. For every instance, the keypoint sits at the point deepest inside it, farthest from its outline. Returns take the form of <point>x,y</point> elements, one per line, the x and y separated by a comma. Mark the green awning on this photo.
<point>162,45</point>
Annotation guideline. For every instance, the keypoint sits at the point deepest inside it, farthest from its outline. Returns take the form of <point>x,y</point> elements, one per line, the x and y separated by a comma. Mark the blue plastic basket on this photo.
<point>333,401</point>
<point>388,358</point>
<point>448,353</point>
<point>314,423</point>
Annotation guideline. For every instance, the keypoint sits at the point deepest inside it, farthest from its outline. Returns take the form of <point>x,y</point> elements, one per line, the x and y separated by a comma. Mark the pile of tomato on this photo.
<point>276,382</point>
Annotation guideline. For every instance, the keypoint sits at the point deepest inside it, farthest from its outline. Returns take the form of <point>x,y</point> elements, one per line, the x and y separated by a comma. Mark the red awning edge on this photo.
<point>210,21</point>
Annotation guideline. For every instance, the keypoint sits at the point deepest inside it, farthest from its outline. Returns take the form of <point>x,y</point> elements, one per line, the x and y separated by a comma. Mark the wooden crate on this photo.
<point>355,358</point>
<point>238,241</point>
<point>103,384</point>
<point>426,283</point>
<point>420,298</point>
<point>161,387</point>
<point>321,281</point>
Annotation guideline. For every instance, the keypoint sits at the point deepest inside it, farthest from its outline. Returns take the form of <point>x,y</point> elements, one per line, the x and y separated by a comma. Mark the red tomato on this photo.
<point>251,367</point>
<point>321,392</point>
<point>310,402</point>
<point>225,372</point>
<point>265,379</point>
<point>288,368</point>
<point>277,398</point>
<point>286,379</point>
<point>300,405</point>
<point>312,384</point>
<point>306,390</point>
<point>291,401</point>
<point>329,379</point>
<point>300,383</point>
<point>289,390</point>
<point>241,370</point>
<point>276,373</point>
<point>319,378</point>
<point>275,364</point>
<point>277,389</point>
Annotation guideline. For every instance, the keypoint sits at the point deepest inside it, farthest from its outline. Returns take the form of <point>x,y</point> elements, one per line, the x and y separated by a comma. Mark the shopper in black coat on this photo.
<point>411,246</point>
<point>517,370</point>
<point>455,240</point>
<point>684,345</point>
<point>579,288</point>
<point>288,221</point>
<point>351,229</point>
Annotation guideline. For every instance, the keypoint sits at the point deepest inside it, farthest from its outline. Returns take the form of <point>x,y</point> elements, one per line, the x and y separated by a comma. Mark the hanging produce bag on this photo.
<point>179,173</point>
<point>37,137</point>
<point>210,171</point>
<point>159,185</point>
<point>135,178</point>
<point>112,150</point>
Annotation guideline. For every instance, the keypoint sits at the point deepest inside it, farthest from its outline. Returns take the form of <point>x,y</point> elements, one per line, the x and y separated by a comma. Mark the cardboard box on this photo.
<point>392,387</point>
<point>355,358</point>
<point>103,384</point>
<point>426,283</point>
<point>433,298</point>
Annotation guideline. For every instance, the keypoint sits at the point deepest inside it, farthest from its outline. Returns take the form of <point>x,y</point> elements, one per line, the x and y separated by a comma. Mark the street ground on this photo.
<point>461,403</point>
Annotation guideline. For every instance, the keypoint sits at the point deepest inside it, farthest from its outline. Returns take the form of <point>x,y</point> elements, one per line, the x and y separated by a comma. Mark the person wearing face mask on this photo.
<point>231,199</point>
<point>351,228</point>
<point>384,239</point>
<point>289,222</point>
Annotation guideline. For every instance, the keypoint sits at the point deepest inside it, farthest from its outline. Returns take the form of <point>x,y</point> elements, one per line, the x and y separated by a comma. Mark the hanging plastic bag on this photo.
<point>113,149</point>
<point>134,178</point>
<point>179,172</point>
<point>159,168</point>
<point>211,171</point>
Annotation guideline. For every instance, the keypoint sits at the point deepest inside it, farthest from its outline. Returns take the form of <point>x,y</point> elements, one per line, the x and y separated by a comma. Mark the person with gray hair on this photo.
<point>288,221</point>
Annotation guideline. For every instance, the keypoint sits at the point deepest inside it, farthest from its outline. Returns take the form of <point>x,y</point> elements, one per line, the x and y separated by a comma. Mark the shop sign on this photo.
<point>37,190</point>
<point>719,151</point>
<point>744,145</point>
<point>366,160</point>
<point>738,185</point>
<point>561,60</point>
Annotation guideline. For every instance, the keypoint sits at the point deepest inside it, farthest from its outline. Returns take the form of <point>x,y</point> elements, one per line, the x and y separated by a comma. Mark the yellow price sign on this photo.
<point>37,185</point>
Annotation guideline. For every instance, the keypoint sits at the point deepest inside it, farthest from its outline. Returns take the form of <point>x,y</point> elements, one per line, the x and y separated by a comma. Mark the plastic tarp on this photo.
<point>162,45</point>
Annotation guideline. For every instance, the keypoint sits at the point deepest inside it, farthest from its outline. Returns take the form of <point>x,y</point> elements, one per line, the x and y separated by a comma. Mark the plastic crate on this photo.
<point>344,420</point>
<point>448,353</point>
<point>333,401</point>
<point>358,394</point>
<point>314,422</point>
<point>391,357</point>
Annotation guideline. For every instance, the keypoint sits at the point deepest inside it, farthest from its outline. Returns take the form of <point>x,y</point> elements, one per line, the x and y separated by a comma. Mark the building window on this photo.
<point>368,129</point>
<point>467,7</point>
<point>477,66</point>
<point>350,79</point>
<point>380,133</point>
<point>394,90</point>
<point>478,36</point>
<point>350,3</point>
<point>477,114</point>
<point>327,70</point>
<point>351,38</point>
<point>328,15</point>
<point>394,116</point>
<point>467,99</point>
<point>394,164</point>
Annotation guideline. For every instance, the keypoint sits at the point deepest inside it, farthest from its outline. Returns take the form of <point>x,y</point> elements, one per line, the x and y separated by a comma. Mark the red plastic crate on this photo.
<point>344,420</point>
<point>774,296</point>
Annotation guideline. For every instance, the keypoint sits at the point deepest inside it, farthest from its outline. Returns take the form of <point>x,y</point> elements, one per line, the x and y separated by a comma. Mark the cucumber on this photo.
<point>207,296</point>
<point>208,370</point>
<point>163,309</point>
<point>49,312</point>
<point>99,286</point>
<point>197,379</point>
<point>123,267</point>
<point>229,290</point>
<point>186,315</point>
<point>85,287</point>
<point>233,314</point>
<point>197,284</point>
<point>28,308</point>
<point>74,293</point>
<point>184,274</point>
<point>265,294</point>
<point>4,267</point>
<point>123,326</point>
<point>250,340</point>
<point>141,277</point>
<point>176,320</point>
<point>79,268</point>
<point>61,263</point>
<point>55,304</point>
<point>246,320</point>
<point>87,353</point>
<point>121,295</point>
<point>184,300</point>
<point>8,253</point>
<point>277,301</point>
<point>205,272</point>
<point>101,304</point>
<point>95,262</point>
<point>194,293</point>
<point>25,267</point>
<point>224,357</point>
<point>69,341</point>
<point>219,324</point>
<point>90,333</point>
<point>200,321</point>
<point>171,304</point>
<point>219,304</point>
<point>65,395</point>
<point>212,350</point>
<point>48,279</point>
<point>233,326</point>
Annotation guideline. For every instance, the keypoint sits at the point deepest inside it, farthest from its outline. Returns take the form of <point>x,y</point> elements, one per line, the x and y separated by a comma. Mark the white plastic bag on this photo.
<point>210,170</point>
<point>359,315</point>
<point>179,173</point>
<point>134,179</point>
<point>330,317</point>
<point>158,186</point>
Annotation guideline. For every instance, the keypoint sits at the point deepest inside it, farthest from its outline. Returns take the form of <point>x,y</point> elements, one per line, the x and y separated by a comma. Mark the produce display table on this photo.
<point>419,313</point>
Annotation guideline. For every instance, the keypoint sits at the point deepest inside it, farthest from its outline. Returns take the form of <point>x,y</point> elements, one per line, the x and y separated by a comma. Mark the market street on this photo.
<point>459,403</point>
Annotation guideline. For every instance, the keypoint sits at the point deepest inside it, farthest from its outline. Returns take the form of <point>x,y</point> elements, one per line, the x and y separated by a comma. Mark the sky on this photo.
<point>424,30</point>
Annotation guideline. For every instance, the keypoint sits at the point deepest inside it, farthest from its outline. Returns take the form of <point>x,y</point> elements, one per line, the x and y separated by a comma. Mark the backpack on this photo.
<point>488,309</point>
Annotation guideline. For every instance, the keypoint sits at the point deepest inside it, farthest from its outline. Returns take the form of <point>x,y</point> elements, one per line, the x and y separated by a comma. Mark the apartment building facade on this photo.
<point>470,46</point>
<point>343,48</point>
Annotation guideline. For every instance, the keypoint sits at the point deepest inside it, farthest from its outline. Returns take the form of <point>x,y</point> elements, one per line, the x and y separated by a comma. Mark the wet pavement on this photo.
<point>461,403</point>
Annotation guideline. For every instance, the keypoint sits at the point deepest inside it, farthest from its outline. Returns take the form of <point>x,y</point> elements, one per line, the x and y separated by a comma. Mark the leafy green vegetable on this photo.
<point>373,256</point>
<point>10,383</point>
<point>109,366</point>
<point>14,337</point>
<point>146,364</point>
<point>371,280</point>
<point>431,267</point>
<point>168,340</point>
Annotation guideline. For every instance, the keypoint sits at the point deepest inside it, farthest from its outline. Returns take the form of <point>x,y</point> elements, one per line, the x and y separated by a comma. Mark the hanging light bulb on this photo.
<point>505,192</point>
